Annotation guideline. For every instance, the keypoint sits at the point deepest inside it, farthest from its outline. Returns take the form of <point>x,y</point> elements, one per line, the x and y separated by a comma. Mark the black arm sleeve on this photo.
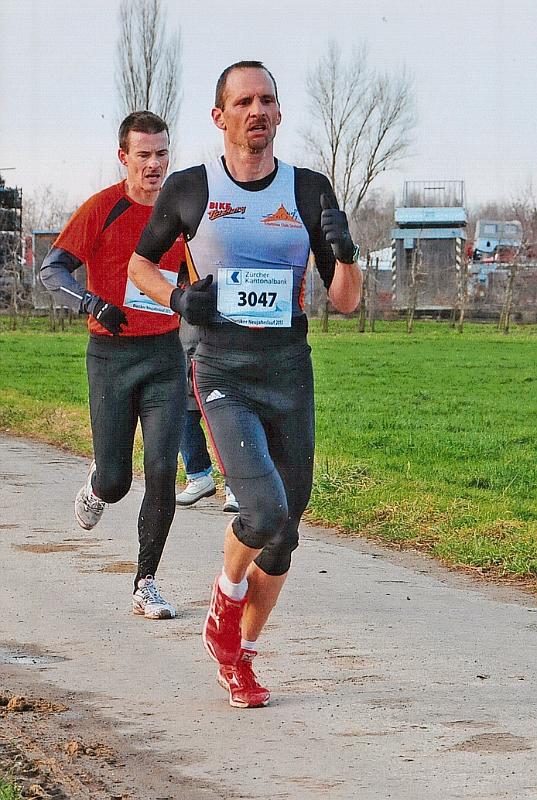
<point>309,186</point>
<point>179,209</point>
<point>56,275</point>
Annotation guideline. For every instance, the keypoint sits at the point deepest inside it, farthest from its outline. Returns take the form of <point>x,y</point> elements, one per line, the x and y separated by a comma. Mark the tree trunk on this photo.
<point>413,292</point>
<point>373,297</point>
<point>506,311</point>
<point>52,315</point>
<point>461,319</point>
<point>324,323</point>
<point>463,293</point>
<point>13,303</point>
<point>365,296</point>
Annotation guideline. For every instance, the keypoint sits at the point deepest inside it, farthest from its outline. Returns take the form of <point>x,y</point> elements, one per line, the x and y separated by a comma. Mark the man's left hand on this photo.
<point>335,227</point>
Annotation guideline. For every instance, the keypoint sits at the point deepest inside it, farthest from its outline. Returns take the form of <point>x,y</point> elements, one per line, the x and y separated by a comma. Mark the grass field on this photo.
<point>9,791</point>
<point>427,440</point>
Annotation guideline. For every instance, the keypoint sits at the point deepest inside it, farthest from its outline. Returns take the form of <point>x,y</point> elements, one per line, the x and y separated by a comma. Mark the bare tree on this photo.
<point>361,122</point>
<point>14,286</point>
<point>375,219</point>
<point>524,208</point>
<point>514,268</point>
<point>505,314</point>
<point>148,61</point>
<point>46,209</point>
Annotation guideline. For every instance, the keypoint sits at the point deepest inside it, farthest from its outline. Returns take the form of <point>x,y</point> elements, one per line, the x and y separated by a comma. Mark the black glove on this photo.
<point>335,227</point>
<point>197,304</point>
<point>109,316</point>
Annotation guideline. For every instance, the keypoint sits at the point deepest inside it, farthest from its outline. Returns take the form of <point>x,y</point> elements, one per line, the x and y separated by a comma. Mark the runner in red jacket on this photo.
<point>135,363</point>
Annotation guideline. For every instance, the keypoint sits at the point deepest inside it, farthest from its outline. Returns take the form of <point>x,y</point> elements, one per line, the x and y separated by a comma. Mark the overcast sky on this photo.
<point>473,65</point>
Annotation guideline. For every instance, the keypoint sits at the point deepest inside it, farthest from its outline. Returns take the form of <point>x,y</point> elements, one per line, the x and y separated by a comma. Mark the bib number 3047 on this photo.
<point>253,299</point>
<point>256,298</point>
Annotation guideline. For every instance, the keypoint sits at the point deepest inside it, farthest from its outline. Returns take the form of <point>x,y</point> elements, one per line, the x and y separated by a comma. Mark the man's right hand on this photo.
<point>196,304</point>
<point>108,315</point>
<point>335,227</point>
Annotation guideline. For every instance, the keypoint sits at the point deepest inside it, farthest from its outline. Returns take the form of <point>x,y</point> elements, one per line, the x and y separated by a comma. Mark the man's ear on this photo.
<point>122,155</point>
<point>218,118</point>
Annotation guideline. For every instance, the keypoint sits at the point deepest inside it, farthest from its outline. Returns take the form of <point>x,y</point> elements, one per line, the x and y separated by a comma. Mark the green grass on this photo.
<point>427,440</point>
<point>431,440</point>
<point>9,791</point>
<point>44,389</point>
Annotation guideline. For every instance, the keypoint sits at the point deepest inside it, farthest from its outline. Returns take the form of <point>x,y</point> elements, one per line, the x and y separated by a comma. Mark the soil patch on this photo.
<point>48,547</point>
<point>493,743</point>
<point>65,751</point>
<point>119,567</point>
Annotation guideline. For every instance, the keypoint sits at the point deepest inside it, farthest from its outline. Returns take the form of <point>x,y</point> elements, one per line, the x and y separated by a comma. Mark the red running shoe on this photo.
<point>242,684</point>
<point>222,629</point>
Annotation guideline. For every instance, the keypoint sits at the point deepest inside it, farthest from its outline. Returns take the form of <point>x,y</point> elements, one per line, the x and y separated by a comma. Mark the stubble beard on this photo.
<point>259,149</point>
<point>255,151</point>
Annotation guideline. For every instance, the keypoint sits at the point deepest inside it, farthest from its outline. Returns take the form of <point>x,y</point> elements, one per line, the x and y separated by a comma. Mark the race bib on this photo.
<point>134,298</point>
<point>256,298</point>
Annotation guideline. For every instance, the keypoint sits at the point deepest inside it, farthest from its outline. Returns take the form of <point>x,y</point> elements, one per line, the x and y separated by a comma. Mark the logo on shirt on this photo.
<point>282,219</point>
<point>218,210</point>
<point>215,395</point>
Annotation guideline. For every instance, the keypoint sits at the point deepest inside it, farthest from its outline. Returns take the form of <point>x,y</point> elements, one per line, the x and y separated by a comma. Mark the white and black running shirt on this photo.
<point>270,223</point>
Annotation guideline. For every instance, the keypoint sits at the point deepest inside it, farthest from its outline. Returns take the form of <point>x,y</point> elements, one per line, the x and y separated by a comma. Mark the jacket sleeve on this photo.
<point>57,276</point>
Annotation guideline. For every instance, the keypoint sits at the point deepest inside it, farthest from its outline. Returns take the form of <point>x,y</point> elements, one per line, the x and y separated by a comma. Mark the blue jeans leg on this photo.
<point>194,451</point>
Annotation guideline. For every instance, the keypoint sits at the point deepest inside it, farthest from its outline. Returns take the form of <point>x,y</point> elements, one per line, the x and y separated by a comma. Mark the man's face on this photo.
<point>251,112</point>
<point>146,160</point>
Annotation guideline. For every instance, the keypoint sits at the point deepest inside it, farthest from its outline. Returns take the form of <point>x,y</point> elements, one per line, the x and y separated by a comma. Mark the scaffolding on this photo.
<point>11,275</point>
<point>434,194</point>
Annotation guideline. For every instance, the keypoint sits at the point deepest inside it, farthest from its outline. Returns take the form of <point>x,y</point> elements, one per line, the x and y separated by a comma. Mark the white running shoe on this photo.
<point>148,602</point>
<point>195,489</point>
<point>88,507</point>
<point>231,504</point>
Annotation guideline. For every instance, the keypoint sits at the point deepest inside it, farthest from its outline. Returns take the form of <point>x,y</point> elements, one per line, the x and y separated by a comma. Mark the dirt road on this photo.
<point>391,677</point>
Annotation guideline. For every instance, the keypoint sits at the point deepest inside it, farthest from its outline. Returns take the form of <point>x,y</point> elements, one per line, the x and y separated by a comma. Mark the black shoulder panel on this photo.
<point>309,186</point>
<point>193,193</point>
<point>122,205</point>
<point>179,209</point>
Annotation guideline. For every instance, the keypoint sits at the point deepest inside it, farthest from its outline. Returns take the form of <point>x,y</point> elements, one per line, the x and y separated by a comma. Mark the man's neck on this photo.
<point>245,166</point>
<point>140,196</point>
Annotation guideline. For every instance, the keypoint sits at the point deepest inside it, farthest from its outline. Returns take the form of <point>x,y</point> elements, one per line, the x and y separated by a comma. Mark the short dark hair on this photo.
<point>222,80</point>
<point>143,122</point>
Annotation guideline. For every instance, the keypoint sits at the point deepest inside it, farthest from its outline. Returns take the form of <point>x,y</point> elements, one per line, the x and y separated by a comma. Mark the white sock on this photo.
<point>246,645</point>
<point>235,591</point>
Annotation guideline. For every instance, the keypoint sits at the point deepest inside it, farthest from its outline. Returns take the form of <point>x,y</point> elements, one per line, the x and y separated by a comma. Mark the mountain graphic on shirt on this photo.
<point>282,219</point>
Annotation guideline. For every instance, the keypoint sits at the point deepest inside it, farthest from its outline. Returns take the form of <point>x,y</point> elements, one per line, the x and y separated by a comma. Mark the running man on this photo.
<point>249,221</point>
<point>135,363</point>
